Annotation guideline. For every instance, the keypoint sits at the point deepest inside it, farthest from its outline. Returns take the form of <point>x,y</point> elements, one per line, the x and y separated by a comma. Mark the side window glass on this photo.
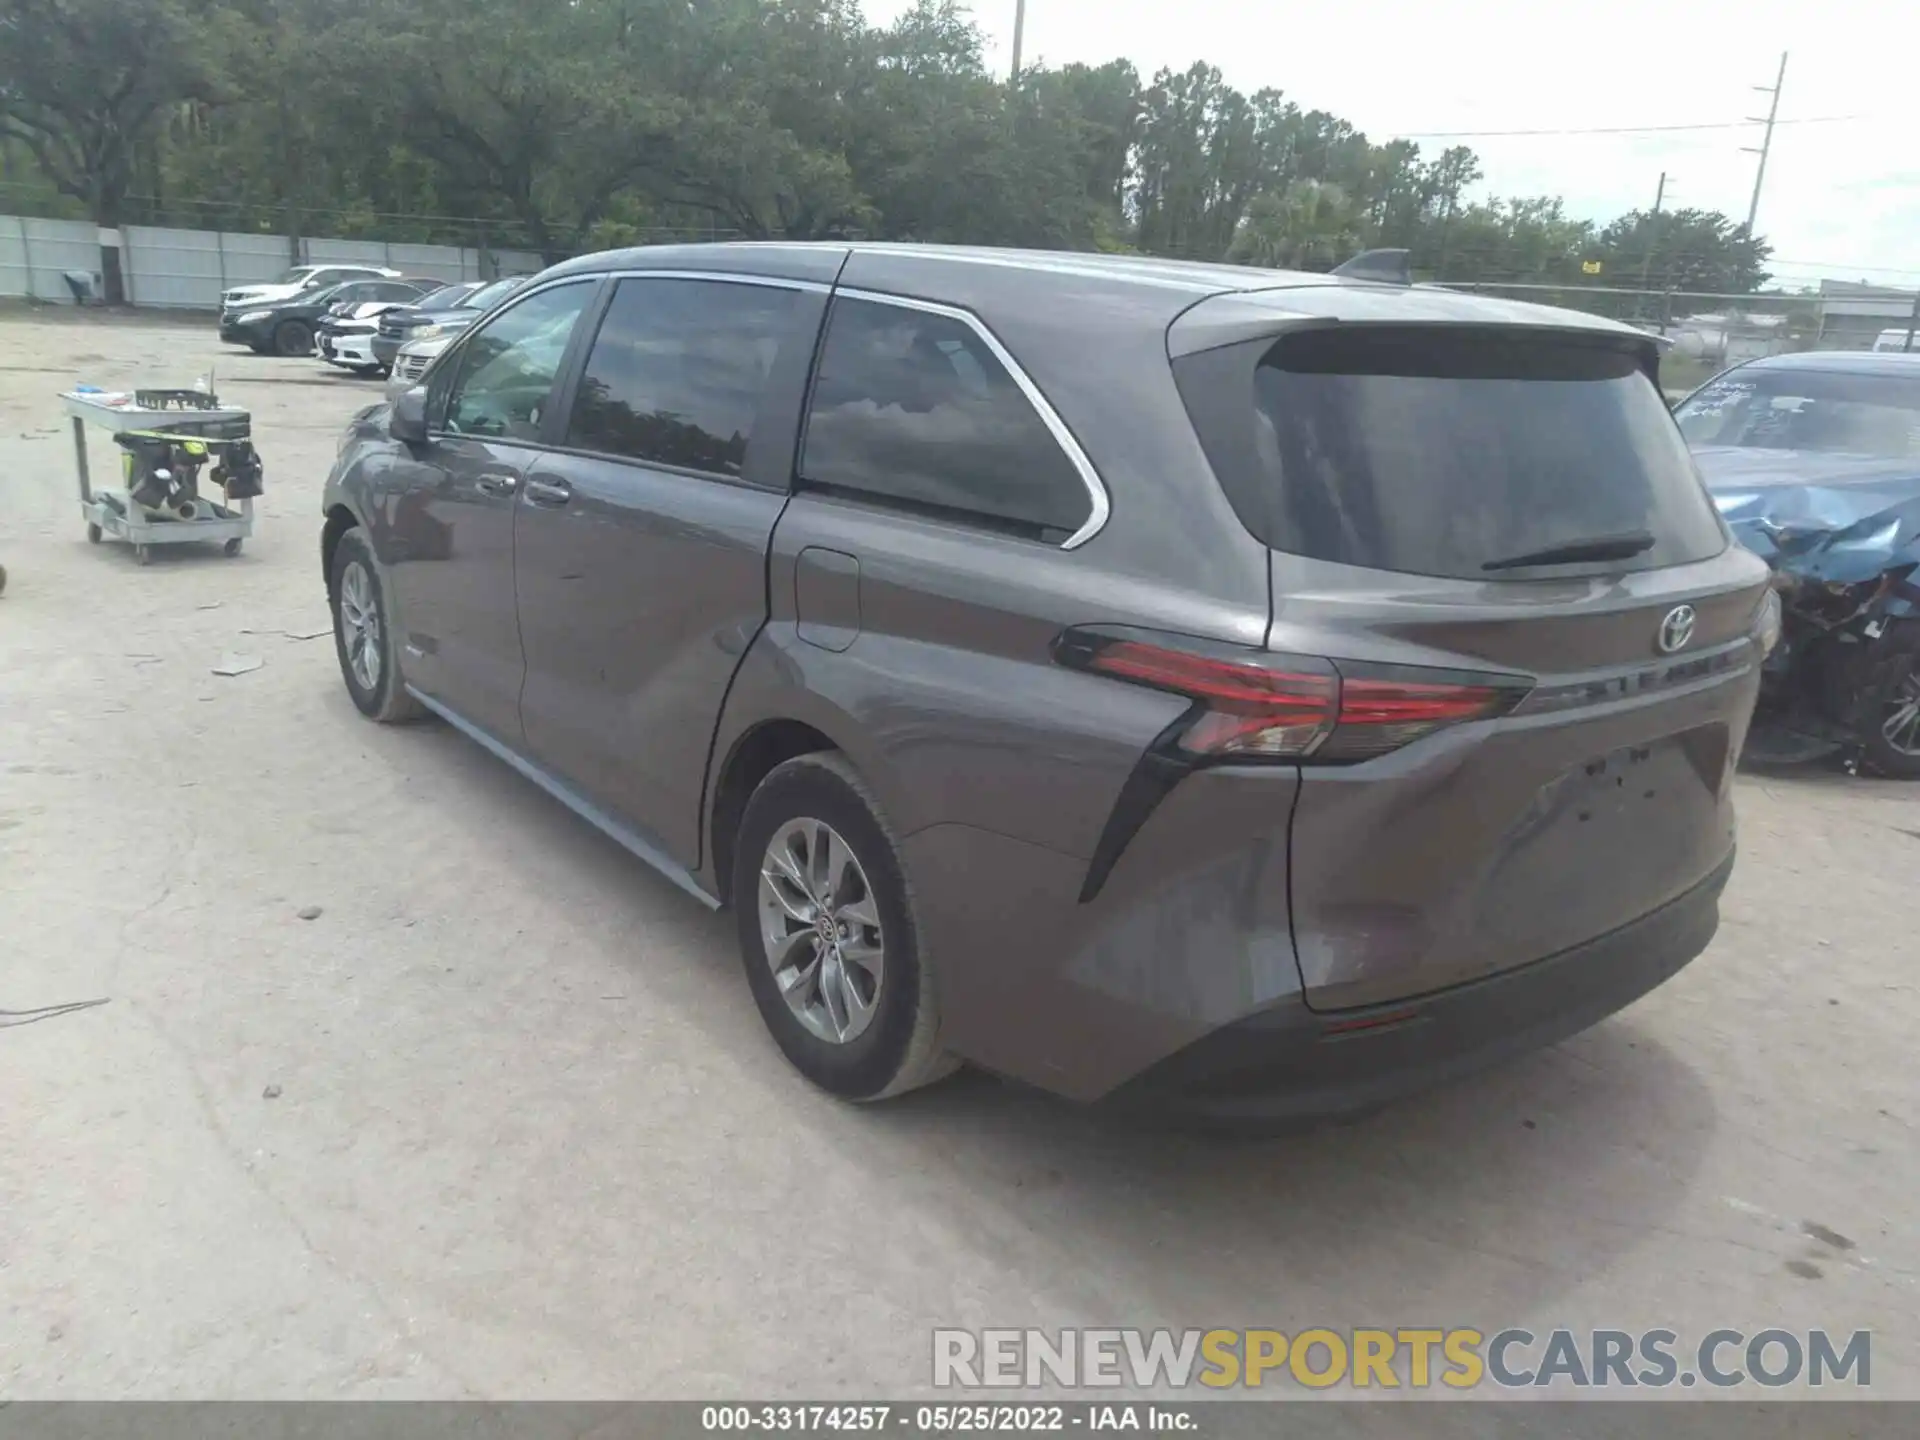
<point>916,407</point>
<point>505,371</point>
<point>677,372</point>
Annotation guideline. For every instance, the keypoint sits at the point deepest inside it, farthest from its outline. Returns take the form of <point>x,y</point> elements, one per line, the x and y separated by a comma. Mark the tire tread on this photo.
<point>923,1060</point>
<point>395,705</point>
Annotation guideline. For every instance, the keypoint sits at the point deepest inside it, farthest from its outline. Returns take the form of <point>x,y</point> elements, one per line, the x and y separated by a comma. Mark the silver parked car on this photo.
<point>410,363</point>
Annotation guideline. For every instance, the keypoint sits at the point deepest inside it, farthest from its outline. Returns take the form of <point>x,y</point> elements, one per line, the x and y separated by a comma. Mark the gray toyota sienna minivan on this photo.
<point>1246,693</point>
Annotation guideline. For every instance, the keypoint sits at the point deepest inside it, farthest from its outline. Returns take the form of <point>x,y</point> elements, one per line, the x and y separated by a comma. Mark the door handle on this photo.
<point>549,492</point>
<point>501,486</point>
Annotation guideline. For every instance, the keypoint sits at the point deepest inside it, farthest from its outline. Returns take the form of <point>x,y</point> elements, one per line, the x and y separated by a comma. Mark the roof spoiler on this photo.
<point>1382,267</point>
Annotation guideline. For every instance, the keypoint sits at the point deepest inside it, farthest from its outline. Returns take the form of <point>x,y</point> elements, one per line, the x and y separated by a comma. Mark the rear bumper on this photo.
<point>1290,1063</point>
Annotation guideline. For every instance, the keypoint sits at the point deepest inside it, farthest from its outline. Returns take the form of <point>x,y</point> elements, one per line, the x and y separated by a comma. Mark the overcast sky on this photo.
<point>1842,197</point>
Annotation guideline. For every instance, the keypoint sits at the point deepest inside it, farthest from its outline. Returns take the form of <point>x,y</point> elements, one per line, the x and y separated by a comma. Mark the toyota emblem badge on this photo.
<point>1676,629</point>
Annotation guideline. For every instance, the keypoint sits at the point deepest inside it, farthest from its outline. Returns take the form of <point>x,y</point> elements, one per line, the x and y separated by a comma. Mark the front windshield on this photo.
<point>1826,411</point>
<point>489,295</point>
<point>299,275</point>
<point>447,297</point>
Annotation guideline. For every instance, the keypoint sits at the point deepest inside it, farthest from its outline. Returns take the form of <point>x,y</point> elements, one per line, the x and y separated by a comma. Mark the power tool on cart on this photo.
<point>163,471</point>
<point>162,468</point>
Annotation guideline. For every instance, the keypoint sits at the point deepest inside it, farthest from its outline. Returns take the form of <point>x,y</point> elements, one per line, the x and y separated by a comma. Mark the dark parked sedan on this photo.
<point>286,327</point>
<point>1236,691</point>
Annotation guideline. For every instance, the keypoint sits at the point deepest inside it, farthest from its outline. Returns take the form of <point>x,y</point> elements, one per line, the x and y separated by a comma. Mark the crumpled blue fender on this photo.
<point>1832,519</point>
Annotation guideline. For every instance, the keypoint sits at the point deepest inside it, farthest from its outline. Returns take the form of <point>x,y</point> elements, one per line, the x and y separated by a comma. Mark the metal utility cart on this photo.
<point>163,415</point>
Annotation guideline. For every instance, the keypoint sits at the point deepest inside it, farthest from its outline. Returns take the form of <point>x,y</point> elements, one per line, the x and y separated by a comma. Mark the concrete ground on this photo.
<point>501,1121</point>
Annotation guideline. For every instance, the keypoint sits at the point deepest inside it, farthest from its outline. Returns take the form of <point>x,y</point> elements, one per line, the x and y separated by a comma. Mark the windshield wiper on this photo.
<point>1600,547</point>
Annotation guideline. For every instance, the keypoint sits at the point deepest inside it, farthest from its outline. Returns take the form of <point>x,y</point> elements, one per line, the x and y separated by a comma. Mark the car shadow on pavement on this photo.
<point>1490,1197</point>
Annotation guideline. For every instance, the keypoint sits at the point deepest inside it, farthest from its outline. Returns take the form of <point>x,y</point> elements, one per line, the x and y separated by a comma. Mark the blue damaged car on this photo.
<point>1814,462</point>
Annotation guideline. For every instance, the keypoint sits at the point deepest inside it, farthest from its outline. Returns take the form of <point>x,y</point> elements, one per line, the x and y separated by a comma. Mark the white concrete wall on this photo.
<point>187,269</point>
<point>35,253</point>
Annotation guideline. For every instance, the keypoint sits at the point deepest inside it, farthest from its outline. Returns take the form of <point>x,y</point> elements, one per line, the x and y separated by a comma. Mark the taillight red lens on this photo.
<point>1255,705</point>
<point>1250,709</point>
<point>1378,715</point>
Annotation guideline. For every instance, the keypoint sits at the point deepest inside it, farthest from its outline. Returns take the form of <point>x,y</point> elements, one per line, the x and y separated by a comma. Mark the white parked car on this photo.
<point>345,337</point>
<point>301,279</point>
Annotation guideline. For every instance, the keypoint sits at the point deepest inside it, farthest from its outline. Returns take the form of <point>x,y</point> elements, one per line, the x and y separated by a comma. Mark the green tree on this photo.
<point>542,111</point>
<point>1522,241</point>
<point>1312,225</point>
<point>565,124</point>
<point>946,153</point>
<point>86,84</point>
<point>1099,107</point>
<point>1685,250</point>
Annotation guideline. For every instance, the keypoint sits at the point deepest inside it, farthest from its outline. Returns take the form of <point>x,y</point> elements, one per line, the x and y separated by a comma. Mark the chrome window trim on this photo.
<point>1100,505</point>
<point>725,277</point>
<point>1089,477</point>
<point>1139,269</point>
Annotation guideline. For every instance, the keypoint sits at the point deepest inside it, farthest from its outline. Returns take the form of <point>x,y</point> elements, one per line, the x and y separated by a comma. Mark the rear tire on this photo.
<point>892,1043</point>
<point>363,634</point>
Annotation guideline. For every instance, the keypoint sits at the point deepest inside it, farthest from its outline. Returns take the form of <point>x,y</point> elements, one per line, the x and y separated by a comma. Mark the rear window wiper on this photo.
<point>1600,547</point>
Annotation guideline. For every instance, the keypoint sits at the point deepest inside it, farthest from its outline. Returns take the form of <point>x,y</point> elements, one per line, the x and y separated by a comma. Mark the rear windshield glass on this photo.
<point>1458,454</point>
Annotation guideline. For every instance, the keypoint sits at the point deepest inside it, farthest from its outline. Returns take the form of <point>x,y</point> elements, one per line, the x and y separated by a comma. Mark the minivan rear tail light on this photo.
<point>1254,705</point>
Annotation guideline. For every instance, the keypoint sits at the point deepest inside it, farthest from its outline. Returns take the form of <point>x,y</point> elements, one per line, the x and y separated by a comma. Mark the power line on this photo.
<point>1623,129</point>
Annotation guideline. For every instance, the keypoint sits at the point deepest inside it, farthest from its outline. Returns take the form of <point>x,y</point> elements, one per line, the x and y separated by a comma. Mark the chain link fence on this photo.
<point>1708,331</point>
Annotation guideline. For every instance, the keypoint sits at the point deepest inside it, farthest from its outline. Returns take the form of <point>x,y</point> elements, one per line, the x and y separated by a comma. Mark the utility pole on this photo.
<point>1653,230</point>
<point>1913,320</point>
<point>1766,141</point>
<point>1019,30</point>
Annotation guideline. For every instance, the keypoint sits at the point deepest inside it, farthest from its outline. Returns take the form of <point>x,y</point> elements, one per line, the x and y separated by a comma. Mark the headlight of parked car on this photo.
<point>254,317</point>
<point>427,332</point>
<point>1766,622</point>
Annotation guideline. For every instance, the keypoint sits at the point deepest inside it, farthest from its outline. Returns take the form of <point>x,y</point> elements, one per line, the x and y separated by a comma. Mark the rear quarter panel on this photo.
<point>998,768</point>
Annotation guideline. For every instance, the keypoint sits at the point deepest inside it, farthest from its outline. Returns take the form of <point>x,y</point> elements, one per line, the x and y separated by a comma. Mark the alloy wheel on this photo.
<point>360,625</point>
<point>1901,728</point>
<point>821,927</point>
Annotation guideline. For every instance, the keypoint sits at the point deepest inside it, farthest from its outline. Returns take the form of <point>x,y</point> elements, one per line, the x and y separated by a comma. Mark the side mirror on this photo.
<point>407,420</point>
